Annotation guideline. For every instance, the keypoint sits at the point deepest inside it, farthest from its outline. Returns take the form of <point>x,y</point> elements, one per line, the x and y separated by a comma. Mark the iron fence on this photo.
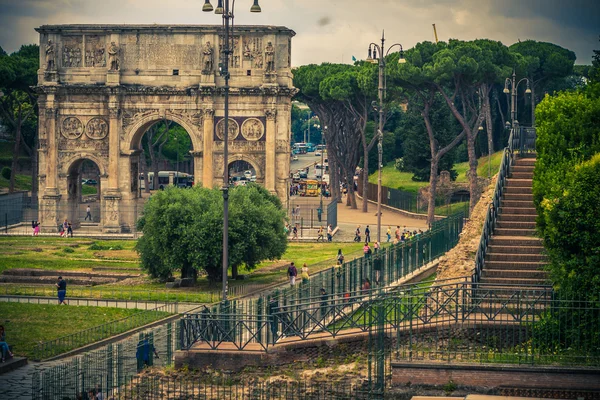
<point>340,281</point>
<point>63,344</point>
<point>107,369</point>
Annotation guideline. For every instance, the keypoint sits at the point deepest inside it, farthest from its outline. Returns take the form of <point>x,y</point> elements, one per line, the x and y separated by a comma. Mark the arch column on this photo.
<point>270,150</point>
<point>112,198</point>
<point>208,125</point>
<point>50,200</point>
<point>198,167</point>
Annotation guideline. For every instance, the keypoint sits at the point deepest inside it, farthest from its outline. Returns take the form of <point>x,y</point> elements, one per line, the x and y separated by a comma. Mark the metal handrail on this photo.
<point>492,212</point>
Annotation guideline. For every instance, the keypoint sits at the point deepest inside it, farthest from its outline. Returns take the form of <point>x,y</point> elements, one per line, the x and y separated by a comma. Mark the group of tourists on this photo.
<point>65,229</point>
<point>402,236</point>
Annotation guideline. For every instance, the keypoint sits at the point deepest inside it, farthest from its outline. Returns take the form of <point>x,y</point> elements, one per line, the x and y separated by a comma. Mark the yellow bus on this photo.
<point>309,188</point>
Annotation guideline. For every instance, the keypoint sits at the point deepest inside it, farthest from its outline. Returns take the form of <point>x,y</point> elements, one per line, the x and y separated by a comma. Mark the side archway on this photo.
<point>250,160</point>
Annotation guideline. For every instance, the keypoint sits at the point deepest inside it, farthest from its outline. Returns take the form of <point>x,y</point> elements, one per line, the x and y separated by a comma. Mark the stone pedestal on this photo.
<point>113,78</point>
<point>49,211</point>
<point>112,223</point>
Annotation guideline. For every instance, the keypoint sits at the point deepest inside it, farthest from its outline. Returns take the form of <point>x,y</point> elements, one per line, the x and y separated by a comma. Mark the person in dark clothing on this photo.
<point>367,234</point>
<point>61,286</point>
<point>144,353</point>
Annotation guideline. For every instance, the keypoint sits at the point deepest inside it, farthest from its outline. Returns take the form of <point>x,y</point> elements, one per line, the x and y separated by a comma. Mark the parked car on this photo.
<point>91,182</point>
<point>303,174</point>
<point>294,157</point>
<point>253,178</point>
<point>248,174</point>
<point>318,153</point>
<point>239,181</point>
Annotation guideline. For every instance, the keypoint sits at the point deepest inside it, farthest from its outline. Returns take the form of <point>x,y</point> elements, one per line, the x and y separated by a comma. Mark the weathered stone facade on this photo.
<point>102,86</point>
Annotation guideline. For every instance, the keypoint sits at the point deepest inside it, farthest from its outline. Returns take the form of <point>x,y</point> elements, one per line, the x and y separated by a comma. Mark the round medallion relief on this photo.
<point>252,129</point>
<point>234,129</point>
<point>96,128</point>
<point>71,128</point>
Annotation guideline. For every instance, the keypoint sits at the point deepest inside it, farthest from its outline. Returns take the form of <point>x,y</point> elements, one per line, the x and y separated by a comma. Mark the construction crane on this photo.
<point>435,33</point>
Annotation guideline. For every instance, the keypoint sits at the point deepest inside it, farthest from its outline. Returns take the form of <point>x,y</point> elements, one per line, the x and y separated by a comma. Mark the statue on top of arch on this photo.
<point>113,57</point>
<point>207,58</point>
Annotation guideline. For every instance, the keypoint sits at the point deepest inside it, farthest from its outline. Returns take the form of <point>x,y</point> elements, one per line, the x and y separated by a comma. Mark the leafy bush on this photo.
<point>5,173</point>
<point>566,188</point>
<point>96,246</point>
<point>68,250</point>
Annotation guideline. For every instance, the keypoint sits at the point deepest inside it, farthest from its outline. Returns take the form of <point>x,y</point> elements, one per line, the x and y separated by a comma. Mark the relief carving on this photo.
<point>234,58</point>
<point>252,129</point>
<point>193,117</point>
<point>113,209</point>
<point>270,114</point>
<point>234,129</point>
<point>131,116</point>
<point>71,128</point>
<point>282,146</point>
<point>94,51</point>
<point>244,147</point>
<point>96,128</point>
<point>253,51</point>
<point>71,54</point>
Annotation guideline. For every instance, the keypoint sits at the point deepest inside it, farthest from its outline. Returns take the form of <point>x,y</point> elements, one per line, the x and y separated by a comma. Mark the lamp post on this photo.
<point>177,163</point>
<point>322,167</point>
<point>374,51</point>
<point>513,98</point>
<point>224,8</point>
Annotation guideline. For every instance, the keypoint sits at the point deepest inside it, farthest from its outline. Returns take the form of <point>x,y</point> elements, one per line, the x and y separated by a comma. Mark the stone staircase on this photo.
<point>515,256</point>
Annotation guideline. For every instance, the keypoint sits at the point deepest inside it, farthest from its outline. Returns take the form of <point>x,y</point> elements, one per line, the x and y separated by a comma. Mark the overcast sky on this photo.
<point>335,30</point>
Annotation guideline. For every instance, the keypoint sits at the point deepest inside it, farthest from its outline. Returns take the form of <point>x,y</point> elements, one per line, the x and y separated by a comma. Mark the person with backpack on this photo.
<point>367,234</point>
<point>340,257</point>
<point>292,273</point>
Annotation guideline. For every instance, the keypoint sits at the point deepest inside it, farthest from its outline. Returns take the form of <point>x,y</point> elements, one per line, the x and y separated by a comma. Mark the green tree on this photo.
<point>331,91</point>
<point>541,62</point>
<point>183,231</point>
<point>18,105</point>
<point>594,72</point>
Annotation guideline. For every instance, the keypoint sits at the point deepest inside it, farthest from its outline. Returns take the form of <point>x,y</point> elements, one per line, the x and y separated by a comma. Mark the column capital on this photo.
<point>114,112</point>
<point>270,113</point>
<point>209,112</point>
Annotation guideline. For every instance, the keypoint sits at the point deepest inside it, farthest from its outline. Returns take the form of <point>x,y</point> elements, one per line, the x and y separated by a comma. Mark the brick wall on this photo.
<point>496,376</point>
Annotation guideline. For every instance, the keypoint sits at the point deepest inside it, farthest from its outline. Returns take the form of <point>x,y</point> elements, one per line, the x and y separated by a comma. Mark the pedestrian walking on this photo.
<point>69,229</point>
<point>389,233</point>
<point>320,234</point>
<point>377,263</point>
<point>61,286</point>
<point>323,302</point>
<point>295,232</point>
<point>340,257</point>
<point>88,213</point>
<point>297,212</point>
<point>329,233</point>
<point>292,272</point>
<point>357,234</point>
<point>36,229</point>
<point>367,250</point>
<point>65,227</point>
<point>305,276</point>
<point>144,352</point>
<point>367,234</point>
<point>376,247</point>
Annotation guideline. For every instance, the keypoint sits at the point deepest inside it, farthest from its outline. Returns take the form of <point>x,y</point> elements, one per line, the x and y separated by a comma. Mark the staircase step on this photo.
<point>522,175</point>
<point>515,224</point>
<point>522,168</point>
<point>521,189</point>
<point>516,217</point>
<point>525,161</point>
<point>514,182</point>
<point>500,249</point>
<point>515,281</point>
<point>520,210</point>
<point>516,256</point>
<point>525,265</point>
<point>510,204</point>
<point>514,232</point>
<point>516,241</point>
<point>518,196</point>
<point>489,291</point>
<point>514,273</point>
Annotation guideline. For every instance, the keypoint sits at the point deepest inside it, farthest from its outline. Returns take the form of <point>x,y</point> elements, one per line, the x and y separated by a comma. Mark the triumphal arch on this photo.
<point>101,86</point>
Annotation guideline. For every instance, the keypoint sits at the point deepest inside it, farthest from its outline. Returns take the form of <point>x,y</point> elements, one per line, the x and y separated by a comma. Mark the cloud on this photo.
<point>335,30</point>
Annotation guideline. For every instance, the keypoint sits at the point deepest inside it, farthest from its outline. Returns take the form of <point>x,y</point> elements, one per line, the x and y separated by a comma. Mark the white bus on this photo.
<point>166,178</point>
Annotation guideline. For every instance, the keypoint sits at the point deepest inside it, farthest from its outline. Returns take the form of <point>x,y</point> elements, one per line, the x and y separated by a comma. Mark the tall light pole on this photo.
<point>513,98</point>
<point>224,8</point>
<point>322,169</point>
<point>377,55</point>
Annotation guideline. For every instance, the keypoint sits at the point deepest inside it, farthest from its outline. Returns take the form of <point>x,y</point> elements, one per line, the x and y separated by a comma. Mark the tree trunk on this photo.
<point>488,123</point>
<point>16,151</point>
<point>500,110</point>
<point>365,176</point>
<point>351,198</point>
<point>472,169</point>
<point>432,190</point>
<point>189,272</point>
<point>234,272</point>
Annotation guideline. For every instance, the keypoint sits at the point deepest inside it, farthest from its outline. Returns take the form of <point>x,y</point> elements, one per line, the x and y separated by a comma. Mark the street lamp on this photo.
<point>375,58</point>
<point>513,99</point>
<point>177,163</point>
<point>226,10</point>
<point>322,168</point>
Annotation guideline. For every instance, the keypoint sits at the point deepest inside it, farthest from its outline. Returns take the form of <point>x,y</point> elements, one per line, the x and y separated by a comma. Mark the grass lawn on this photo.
<point>22,182</point>
<point>393,178</point>
<point>27,325</point>
<point>88,189</point>
<point>53,253</point>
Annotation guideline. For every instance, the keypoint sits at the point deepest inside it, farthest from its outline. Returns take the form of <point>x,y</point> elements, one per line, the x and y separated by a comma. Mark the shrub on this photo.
<point>68,250</point>
<point>6,173</point>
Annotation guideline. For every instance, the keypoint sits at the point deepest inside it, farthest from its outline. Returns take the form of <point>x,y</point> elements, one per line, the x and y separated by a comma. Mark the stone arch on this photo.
<point>74,208</point>
<point>133,138</point>
<point>68,163</point>
<point>249,159</point>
